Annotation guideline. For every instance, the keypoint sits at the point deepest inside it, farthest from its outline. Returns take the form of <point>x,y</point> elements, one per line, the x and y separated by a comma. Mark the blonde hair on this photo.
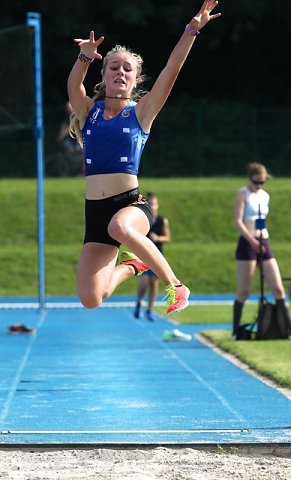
<point>100,89</point>
<point>256,168</point>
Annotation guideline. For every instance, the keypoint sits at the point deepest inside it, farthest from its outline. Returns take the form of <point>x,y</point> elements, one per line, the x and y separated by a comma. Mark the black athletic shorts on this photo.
<point>98,214</point>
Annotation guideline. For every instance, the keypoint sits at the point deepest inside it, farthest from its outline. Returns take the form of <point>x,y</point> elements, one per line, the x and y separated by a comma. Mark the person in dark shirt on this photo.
<point>148,281</point>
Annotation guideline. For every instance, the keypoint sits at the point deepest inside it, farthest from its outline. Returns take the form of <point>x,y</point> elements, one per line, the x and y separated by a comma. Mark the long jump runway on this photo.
<point>103,377</point>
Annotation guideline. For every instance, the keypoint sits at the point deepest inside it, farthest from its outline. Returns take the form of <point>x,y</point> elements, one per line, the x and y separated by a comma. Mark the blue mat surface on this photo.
<point>103,377</point>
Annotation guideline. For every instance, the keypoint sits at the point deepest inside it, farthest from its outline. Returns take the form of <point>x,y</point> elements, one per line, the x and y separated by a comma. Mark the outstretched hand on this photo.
<point>89,47</point>
<point>204,15</point>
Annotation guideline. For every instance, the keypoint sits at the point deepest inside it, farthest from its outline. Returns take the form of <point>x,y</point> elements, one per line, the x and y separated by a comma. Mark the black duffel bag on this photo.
<point>273,321</point>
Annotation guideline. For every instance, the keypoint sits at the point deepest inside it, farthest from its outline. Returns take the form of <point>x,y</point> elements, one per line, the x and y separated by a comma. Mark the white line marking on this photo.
<point>116,304</point>
<point>243,366</point>
<point>124,432</point>
<point>203,382</point>
<point>221,399</point>
<point>19,371</point>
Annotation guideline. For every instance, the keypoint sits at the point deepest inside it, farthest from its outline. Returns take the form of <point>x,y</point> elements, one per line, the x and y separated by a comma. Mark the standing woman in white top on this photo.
<point>251,210</point>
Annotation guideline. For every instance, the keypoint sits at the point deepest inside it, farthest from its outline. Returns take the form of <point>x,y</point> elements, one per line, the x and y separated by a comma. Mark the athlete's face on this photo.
<point>257,181</point>
<point>120,74</point>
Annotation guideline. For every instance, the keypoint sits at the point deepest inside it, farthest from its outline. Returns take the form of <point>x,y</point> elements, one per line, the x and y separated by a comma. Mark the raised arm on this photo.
<point>81,104</point>
<point>150,105</point>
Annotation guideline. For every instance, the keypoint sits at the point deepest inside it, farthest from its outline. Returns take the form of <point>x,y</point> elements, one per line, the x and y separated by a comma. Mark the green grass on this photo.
<point>200,211</point>
<point>209,314</point>
<point>272,358</point>
<point>18,271</point>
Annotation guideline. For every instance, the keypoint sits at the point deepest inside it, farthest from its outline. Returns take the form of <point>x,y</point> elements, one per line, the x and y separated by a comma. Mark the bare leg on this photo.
<point>141,290</point>
<point>142,287</point>
<point>273,278</point>
<point>245,272</point>
<point>97,273</point>
<point>130,226</point>
<point>154,287</point>
<point>154,282</point>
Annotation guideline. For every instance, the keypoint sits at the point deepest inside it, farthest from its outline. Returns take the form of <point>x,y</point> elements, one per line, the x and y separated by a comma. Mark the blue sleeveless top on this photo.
<point>114,145</point>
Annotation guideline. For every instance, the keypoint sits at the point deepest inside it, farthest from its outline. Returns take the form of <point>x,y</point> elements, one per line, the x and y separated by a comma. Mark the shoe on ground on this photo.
<point>177,298</point>
<point>20,329</point>
<point>136,312</point>
<point>176,336</point>
<point>129,258</point>
<point>149,316</point>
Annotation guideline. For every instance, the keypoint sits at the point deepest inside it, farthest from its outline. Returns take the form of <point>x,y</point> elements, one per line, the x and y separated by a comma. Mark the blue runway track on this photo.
<point>103,377</point>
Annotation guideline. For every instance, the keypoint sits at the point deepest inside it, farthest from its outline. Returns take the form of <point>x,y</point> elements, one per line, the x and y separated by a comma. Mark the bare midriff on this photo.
<point>107,185</point>
<point>251,226</point>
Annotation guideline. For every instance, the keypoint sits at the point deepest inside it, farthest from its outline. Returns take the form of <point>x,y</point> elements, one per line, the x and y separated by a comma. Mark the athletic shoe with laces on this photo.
<point>129,258</point>
<point>177,298</point>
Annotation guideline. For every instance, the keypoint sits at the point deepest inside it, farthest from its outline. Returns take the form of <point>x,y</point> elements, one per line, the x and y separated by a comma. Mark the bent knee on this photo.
<point>90,301</point>
<point>118,230</point>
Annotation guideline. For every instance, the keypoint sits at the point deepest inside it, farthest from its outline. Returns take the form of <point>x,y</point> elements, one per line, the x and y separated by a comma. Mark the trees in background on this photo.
<point>232,96</point>
<point>244,55</point>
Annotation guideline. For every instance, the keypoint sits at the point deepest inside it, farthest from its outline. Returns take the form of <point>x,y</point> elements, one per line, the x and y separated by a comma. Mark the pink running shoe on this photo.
<point>177,298</point>
<point>129,258</point>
